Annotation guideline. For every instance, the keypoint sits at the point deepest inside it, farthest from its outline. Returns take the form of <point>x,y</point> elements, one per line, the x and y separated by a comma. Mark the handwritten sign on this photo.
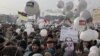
<point>96,16</point>
<point>68,32</point>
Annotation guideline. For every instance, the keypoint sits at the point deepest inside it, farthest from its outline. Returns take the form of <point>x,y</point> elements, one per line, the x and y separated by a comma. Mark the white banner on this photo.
<point>68,32</point>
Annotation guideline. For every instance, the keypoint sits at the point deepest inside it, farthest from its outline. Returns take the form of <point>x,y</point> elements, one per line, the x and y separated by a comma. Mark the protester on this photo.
<point>11,51</point>
<point>33,48</point>
<point>51,46</point>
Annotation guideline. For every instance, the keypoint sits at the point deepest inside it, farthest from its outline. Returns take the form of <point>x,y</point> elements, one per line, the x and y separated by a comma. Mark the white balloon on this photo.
<point>28,25</point>
<point>99,50</point>
<point>94,51</point>
<point>29,30</point>
<point>32,8</point>
<point>87,35</point>
<point>82,5</point>
<point>69,14</point>
<point>77,24</point>
<point>60,4</point>
<point>30,17</point>
<point>98,41</point>
<point>18,31</point>
<point>96,35</point>
<point>40,21</point>
<point>94,48</point>
<point>0,25</point>
<point>41,25</point>
<point>18,22</point>
<point>86,14</point>
<point>93,54</point>
<point>43,32</point>
<point>69,6</point>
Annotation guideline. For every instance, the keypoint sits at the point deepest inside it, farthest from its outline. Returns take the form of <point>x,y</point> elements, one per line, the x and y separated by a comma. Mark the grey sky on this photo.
<point>12,6</point>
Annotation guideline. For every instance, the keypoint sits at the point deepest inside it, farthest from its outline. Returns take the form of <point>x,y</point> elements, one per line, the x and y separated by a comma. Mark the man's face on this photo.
<point>35,47</point>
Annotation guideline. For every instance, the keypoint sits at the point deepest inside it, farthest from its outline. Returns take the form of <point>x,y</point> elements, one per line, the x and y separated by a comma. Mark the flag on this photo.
<point>22,15</point>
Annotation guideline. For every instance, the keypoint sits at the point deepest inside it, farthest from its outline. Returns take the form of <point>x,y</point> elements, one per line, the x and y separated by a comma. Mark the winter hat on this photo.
<point>47,54</point>
<point>36,41</point>
<point>37,54</point>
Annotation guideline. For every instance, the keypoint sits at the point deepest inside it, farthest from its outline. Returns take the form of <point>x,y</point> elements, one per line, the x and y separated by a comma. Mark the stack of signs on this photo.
<point>68,32</point>
<point>96,16</point>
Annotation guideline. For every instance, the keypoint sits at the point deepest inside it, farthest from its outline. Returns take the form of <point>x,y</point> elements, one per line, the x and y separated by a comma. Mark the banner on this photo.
<point>22,16</point>
<point>96,16</point>
<point>68,32</point>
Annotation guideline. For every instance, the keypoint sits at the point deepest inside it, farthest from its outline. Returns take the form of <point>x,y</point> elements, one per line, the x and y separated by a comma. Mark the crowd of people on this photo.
<point>22,44</point>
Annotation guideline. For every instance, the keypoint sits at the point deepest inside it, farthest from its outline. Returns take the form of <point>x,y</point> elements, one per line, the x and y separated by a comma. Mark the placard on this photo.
<point>68,32</point>
<point>96,16</point>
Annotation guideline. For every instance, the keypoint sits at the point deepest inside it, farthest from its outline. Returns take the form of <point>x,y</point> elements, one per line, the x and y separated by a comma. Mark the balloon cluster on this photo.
<point>80,14</point>
<point>89,35</point>
<point>67,9</point>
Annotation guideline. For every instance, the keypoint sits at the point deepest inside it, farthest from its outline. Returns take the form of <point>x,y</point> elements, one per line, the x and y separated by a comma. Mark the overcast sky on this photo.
<point>12,6</point>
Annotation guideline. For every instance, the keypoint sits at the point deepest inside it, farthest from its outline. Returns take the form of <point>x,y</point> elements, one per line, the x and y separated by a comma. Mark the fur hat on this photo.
<point>37,54</point>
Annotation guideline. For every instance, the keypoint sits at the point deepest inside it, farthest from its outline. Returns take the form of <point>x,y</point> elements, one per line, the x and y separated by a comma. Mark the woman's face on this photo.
<point>50,45</point>
<point>35,47</point>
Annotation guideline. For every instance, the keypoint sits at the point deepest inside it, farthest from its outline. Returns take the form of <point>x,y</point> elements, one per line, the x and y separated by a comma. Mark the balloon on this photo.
<point>76,13</point>
<point>99,50</point>
<point>0,25</point>
<point>98,41</point>
<point>60,4</point>
<point>18,22</point>
<point>96,35</point>
<point>94,48</point>
<point>40,21</point>
<point>30,17</point>
<point>41,25</point>
<point>69,6</point>
<point>37,54</point>
<point>28,25</point>
<point>18,31</point>
<point>86,14</point>
<point>32,8</point>
<point>29,30</point>
<point>69,14</point>
<point>79,24</point>
<point>93,54</point>
<point>88,35</point>
<point>43,32</point>
<point>82,5</point>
